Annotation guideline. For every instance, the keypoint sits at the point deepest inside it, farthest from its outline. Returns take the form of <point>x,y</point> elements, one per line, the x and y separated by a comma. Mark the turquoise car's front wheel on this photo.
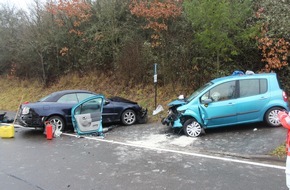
<point>192,128</point>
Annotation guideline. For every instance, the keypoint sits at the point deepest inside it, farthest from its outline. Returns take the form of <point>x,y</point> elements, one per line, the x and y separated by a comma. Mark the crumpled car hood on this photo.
<point>177,103</point>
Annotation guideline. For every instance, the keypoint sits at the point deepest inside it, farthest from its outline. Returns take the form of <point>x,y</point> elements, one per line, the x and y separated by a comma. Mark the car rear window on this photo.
<point>83,96</point>
<point>68,98</point>
<point>251,87</point>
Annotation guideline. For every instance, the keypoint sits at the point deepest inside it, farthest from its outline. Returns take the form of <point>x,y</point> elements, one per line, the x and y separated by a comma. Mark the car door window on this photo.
<point>252,87</point>
<point>221,92</point>
<point>68,98</point>
<point>87,115</point>
<point>83,96</point>
<point>263,86</point>
<point>90,106</point>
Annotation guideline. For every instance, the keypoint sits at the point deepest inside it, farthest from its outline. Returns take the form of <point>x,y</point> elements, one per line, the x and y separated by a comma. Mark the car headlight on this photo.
<point>25,110</point>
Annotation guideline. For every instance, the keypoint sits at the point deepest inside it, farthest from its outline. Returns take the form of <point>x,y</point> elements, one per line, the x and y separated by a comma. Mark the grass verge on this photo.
<point>15,91</point>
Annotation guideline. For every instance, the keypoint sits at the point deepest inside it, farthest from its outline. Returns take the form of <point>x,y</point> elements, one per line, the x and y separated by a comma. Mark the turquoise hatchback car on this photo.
<point>228,101</point>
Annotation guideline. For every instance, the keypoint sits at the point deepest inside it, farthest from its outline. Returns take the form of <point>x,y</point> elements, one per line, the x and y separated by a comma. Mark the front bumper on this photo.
<point>172,120</point>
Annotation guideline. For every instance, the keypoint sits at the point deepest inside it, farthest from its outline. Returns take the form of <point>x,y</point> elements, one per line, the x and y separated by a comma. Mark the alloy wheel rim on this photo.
<point>193,129</point>
<point>273,117</point>
<point>57,123</point>
<point>129,118</point>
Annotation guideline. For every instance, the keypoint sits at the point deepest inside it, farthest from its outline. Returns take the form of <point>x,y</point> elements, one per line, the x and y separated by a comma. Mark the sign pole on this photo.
<point>155,83</point>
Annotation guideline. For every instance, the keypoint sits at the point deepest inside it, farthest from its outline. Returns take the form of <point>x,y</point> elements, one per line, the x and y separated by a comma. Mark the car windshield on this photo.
<point>196,93</point>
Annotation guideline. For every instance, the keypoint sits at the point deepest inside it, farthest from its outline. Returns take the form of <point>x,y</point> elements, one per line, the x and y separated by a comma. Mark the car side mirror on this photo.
<point>107,102</point>
<point>207,101</point>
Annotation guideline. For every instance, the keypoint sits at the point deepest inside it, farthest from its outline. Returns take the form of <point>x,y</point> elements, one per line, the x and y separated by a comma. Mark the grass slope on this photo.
<point>15,91</point>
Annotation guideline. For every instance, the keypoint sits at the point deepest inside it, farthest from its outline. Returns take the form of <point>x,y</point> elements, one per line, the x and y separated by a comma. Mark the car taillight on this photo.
<point>285,97</point>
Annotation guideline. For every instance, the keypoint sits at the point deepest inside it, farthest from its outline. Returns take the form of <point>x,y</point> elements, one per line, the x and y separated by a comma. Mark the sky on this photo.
<point>17,3</point>
<point>24,4</point>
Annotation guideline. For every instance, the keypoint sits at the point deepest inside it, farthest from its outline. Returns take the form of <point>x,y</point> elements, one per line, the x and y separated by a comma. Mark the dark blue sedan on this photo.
<point>56,108</point>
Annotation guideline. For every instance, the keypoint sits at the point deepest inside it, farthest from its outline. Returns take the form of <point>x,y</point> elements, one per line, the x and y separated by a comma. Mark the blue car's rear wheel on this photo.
<point>271,117</point>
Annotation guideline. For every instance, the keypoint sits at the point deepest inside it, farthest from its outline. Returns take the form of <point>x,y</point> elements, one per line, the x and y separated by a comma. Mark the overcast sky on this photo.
<point>24,4</point>
<point>17,3</point>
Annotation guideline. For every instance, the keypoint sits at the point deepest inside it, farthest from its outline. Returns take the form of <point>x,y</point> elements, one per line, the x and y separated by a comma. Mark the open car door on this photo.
<point>87,115</point>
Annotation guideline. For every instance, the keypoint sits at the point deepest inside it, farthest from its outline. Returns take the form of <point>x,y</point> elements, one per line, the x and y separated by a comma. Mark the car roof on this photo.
<point>235,77</point>
<point>70,91</point>
<point>56,95</point>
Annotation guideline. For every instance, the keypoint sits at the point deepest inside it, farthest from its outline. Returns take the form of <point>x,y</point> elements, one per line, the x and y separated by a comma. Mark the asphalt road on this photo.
<point>254,141</point>
<point>30,162</point>
<point>148,156</point>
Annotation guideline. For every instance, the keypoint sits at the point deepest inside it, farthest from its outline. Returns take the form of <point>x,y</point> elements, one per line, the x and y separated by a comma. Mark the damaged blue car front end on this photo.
<point>177,110</point>
<point>173,117</point>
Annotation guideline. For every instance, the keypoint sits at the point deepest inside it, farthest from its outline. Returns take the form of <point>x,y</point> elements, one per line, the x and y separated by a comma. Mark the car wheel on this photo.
<point>128,117</point>
<point>271,117</point>
<point>57,122</point>
<point>192,128</point>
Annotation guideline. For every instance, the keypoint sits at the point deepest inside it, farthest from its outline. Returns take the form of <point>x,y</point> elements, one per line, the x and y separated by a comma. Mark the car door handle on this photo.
<point>231,103</point>
<point>263,97</point>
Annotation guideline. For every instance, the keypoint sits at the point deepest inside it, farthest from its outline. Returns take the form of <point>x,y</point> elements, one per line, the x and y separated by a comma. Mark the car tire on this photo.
<point>271,117</point>
<point>57,121</point>
<point>128,117</point>
<point>192,128</point>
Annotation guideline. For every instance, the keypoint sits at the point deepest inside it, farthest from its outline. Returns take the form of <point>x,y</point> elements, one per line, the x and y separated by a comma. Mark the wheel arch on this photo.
<point>184,118</point>
<point>265,113</point>
<point>265,119</point>
<point>129,108</point>
<point>59,115</point>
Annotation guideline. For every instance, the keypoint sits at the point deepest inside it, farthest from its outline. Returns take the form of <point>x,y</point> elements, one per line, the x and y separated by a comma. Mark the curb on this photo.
<point>268,158</point>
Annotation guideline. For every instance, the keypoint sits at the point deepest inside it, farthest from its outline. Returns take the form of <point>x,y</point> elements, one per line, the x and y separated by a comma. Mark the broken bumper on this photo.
<point>171,120</point>
<point>142,116</point>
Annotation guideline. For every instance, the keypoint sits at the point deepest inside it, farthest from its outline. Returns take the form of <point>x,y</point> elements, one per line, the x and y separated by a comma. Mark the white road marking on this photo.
<point>15,125</point>
<point>182,152</point>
